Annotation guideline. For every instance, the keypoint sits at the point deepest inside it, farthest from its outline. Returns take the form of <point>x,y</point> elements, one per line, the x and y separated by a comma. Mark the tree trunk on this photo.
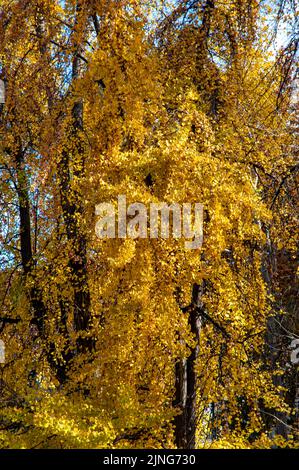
<point>186,379</point>
<point>73,211</point>
<point>35,294</point>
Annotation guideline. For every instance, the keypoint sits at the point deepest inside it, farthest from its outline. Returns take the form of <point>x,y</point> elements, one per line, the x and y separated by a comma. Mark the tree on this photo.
<point>139,342</point>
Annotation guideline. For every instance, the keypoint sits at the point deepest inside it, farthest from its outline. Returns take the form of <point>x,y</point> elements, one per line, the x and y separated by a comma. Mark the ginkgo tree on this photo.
<point>123,342</point>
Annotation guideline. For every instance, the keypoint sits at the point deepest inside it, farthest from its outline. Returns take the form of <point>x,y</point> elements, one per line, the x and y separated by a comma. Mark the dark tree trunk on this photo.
<point>35,295</point>
<point>28,264</point>
<point>186,379</point>
<point>73,212</point>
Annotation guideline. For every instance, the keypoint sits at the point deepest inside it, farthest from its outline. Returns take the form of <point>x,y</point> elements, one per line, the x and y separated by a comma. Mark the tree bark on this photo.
<point>186,379</point>
<point>73,210</point>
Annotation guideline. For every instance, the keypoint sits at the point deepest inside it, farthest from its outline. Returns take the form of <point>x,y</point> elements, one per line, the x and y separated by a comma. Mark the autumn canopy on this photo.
<point>139,342</point>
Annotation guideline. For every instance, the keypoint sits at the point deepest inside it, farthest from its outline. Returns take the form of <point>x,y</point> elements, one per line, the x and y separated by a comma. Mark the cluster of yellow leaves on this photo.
<point>148,116</point>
